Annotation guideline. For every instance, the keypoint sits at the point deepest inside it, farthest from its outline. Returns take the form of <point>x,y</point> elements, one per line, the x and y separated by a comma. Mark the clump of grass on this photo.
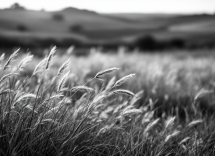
<point>59,117</point>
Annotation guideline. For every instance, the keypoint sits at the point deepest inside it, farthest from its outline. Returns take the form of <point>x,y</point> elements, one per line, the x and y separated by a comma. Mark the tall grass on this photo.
<point>47,114</point>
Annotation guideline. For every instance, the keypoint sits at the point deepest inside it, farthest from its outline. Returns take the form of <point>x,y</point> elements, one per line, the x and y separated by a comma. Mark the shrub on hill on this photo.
<point>177,43</point>
<point>76,28</point>
<point>150,43</point>
<point>22,28</point>
<point>58,17</point>
<point>146,43</point>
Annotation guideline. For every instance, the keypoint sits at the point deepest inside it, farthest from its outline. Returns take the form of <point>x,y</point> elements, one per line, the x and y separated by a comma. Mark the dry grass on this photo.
<point>82,106</point>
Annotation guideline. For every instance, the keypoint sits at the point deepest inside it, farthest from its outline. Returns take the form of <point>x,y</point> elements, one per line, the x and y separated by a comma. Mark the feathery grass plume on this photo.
<point>131,112</point>
<point>39,119</point>
<point>63,67</point>
<point>173,134</point>
<point>51,54</point>
<point>56,96</point>
<point>24,62</point>
<point>140,93</point>
<point>106,71</point>
<point>123,79</point>
<point>151,125</point>
<point>81,88</point>
<point>70,50</point>
<point>194,123</point>
<point>137,97</point>
<point>110,83</point>
<point>123,91</point>
<point>29,95</point>
<point>2,57</point>
<point>52,110</point>
<point>62,81</point>
<point>109,109</point>
<point>202,93</point>
<point>11,59</point>
<point>40,66</point>
<point>96,100</point>
<point>43,121</point>
<point>6,76</point>
<point>184,140</point>
<point>120,107</point>
<point>169,122</point>
<point>104,129</point>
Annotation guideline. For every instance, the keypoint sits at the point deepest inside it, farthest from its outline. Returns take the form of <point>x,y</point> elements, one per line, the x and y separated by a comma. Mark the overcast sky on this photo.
<point>121,6</point>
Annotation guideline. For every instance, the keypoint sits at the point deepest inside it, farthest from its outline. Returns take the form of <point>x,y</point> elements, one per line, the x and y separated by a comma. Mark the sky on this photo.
<point>120,6</point>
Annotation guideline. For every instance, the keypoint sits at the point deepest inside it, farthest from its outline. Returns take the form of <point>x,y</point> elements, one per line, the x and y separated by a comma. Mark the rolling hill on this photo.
<point>90,27</point>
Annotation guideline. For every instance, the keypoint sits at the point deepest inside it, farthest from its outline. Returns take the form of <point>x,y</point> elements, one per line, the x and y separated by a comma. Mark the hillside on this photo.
<point>90,27</point>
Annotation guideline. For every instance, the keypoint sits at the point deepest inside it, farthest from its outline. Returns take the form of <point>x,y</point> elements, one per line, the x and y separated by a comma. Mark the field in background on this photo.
<point>82,27</point>
<point>166,108</point>
<point>179,72</point>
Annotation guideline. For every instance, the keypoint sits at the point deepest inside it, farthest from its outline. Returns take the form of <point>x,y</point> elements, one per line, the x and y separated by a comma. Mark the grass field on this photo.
<point>118,104</point>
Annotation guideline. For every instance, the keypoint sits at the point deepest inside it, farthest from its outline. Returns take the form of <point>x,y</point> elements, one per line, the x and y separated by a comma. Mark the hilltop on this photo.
<point>88,27</point>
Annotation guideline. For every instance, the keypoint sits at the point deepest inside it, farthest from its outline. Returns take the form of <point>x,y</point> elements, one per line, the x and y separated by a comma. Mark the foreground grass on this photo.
<point>57,112</point>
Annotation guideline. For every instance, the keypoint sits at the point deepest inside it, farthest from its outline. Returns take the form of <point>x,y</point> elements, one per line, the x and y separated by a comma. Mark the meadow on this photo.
<point>117,104</point>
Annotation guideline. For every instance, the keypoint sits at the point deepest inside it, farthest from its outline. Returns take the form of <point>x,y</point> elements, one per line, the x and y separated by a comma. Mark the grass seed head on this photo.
<point>110,83</point>
<point>81,88</point>
<point>106,71</point>
<point>194,123</point>
<point>7,76</point>
<point>151,125</point>
<point>29,95</point>
<point>40,66</point>
<point>170,136</point>
<point>2,57</point>
<point>184,140</point>
<point>123,91</point>
<point>51,54</point>
<point>137,97</point>
<point>169,122</point>
<point>122,80</point>
<point>62,81</point>
<point>132,112</point>
<point>63,67</point>
<point>24,62</point>
<point>202,93</point>
<point>11,59</point>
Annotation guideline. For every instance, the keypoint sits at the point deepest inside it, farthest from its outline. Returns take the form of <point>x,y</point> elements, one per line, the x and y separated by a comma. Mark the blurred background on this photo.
<point>107,24</point>
<point>169,44</point>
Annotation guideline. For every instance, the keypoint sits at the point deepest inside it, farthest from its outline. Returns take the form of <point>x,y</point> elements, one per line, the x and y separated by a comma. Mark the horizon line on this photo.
<point>122,12</point>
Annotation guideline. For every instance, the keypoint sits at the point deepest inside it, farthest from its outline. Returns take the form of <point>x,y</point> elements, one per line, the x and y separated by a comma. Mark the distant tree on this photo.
<point>22,28</point>
<point>42,10</point>
<point>146,43</point>
<point>16,6</point>
<point>177,43</point>
<point>76,28</point>
<point>58,17</point>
